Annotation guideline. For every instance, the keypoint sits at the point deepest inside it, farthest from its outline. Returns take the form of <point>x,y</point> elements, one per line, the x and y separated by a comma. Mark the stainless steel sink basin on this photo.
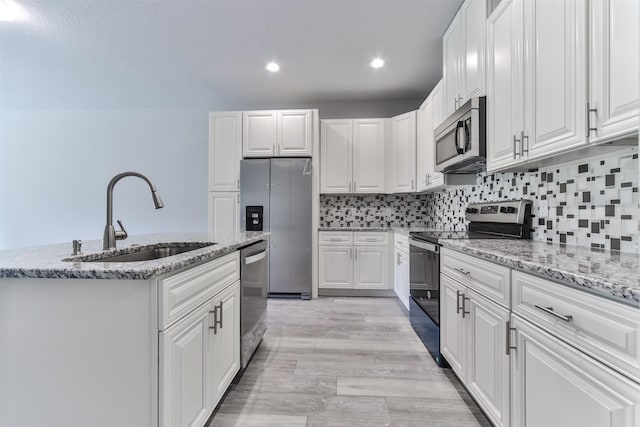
<point>143,253</point>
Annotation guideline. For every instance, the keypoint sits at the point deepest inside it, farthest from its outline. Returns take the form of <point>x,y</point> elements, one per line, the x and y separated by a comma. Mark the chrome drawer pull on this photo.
<point>464,311</point>
<point>458,295</point>
<point>509,346</point>
<point>466,273</point>
<point>549,310</point>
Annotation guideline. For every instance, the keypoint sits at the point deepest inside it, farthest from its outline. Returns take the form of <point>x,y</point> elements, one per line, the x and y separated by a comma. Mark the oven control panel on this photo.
<point>506,211</point>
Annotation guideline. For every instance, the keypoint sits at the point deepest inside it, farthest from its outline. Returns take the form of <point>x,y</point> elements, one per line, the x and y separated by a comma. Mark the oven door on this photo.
<point>425,278</point>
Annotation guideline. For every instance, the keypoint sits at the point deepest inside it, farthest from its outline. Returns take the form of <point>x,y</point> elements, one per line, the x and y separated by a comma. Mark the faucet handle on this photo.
<point>77,247</point>
<point>122,234</point>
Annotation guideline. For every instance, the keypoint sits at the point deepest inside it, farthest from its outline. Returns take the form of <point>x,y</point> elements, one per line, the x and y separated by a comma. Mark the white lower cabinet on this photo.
<point>537,365</point>
<point>199,354</point>
<point>184,350</point>
<point>353,260</point>
<point>401,274</point>
<point>453,329</point>
<point>224,342</point>
<point>556,385</point>
<point>370,265</point>
<point>488,362</point>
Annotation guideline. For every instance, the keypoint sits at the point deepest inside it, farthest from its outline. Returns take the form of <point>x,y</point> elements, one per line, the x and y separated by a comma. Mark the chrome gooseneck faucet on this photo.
<point>110,234</point>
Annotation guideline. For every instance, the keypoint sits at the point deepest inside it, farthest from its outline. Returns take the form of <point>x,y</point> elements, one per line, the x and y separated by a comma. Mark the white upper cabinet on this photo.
<point>505,90</point>
<point>424,141</point>
<point>463,48</point>
<point>473,14</point>
<point>614,69</point>
<point>284,133</point>
<point>225,150</point>
<point>368,156</point>
<point>403,153</point>
<point>294,133</point>
<point>555,78</point>
<point>452,48</point>
<point>224,212</point>
<point>352,156</point>
<point>335,156</point>
<point>437,105</point>
<point>259,133</point>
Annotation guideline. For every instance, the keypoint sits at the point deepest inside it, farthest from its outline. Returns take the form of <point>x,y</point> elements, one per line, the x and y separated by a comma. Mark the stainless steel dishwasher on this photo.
<point>254,277</point>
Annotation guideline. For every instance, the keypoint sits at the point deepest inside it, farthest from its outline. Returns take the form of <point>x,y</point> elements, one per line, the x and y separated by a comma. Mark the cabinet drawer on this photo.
<point>333,238</point>
<point>371,238</point>
<point>401,241</point>
<point>605,329</point>
<point>182,292</point>
<point>489,279</point>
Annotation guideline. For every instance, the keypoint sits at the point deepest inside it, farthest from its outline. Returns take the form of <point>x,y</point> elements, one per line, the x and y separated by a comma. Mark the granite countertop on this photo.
<point>613,275</point>
<point>46,262</point>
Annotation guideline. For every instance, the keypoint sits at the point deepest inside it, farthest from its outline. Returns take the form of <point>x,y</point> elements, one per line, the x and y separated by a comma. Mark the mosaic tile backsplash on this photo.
<point>592,202</point>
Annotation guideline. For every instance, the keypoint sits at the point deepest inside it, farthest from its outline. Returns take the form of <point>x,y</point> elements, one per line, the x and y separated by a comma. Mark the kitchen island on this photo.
<point>149,343</point>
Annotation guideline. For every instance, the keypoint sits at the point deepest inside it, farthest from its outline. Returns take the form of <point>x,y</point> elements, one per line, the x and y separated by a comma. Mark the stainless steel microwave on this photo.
<point>461,139</point>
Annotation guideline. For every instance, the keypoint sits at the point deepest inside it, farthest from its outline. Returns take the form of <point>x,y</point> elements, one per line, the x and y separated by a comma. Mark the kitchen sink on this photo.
<point>142,253</point>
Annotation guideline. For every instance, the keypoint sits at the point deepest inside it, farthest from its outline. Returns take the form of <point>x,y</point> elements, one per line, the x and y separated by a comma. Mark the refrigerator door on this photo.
<point>254,191</point>
<point>290,223</point>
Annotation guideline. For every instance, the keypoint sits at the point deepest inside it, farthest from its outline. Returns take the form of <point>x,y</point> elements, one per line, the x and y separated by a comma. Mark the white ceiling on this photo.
<point>188,53</point>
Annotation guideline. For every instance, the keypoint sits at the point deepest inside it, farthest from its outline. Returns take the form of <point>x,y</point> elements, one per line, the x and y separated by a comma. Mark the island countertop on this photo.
<point>46,262</point>
<point>610,274</point>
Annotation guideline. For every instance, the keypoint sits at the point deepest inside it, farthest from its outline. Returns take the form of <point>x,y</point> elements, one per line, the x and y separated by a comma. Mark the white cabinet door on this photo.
<point>452,47</point>
<point>555,78</point>
<point>368,156</point>
<point>225,150</point>
<point>335,156</point>
<point>614,68</point>
<point>505,113</point>
<point>259,133</point>
<point>336,267</point>
<point>403,153</point>
<point>488,362</point>
<point>370,265</point>
<point>224,341</point>
<point>555,385</point>
<point>183,372</point>
<point>453,327</point>
<point>294,133</point>
<point>223,212</point>
<point>473,14</point>
<point>437,105</point>
<point>401,277</point>
<point>424,141</point>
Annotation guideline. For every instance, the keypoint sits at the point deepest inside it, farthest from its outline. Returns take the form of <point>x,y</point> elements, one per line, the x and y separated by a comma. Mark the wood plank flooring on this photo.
<point>344,362</point>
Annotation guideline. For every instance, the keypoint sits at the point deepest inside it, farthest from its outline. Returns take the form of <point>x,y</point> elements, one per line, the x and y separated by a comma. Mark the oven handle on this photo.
<point>426,246</point>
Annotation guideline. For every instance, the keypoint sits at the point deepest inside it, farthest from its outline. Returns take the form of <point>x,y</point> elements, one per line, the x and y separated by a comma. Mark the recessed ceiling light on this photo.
<point>377,63</point>
<point>273,67</point>
<point>11,11</point>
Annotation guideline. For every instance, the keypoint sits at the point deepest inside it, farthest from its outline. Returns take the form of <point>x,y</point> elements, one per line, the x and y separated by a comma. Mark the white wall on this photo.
<point>55,167</point>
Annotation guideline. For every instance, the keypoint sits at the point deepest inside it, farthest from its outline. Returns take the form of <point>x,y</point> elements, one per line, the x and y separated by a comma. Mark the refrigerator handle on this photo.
<point>307,167</point>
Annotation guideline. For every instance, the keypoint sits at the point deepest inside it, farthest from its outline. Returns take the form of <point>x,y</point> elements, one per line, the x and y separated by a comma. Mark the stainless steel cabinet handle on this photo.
<point>222,314</point>
<point>350,253</point>
<point>398,256</point>
<point>466,273</point>
<point>589,111</point>
<point>458,295</point>
<point>238,183</point>
<point>549,310</point>
<point>515,147</point>
<point>522,137</point>
<point>509,347</point>
<point>355,187</point>
<point>412,184</point>
<point>464,311</point>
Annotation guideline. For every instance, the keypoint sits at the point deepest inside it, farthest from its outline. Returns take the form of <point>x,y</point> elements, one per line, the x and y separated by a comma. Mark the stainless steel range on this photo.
<point>493,220</point>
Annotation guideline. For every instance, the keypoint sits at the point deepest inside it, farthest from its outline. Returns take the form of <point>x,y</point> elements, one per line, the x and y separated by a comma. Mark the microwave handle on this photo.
<point>459,126</point>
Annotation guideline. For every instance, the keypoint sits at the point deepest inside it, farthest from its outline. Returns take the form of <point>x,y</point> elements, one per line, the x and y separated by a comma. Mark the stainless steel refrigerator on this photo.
<point>275,196</point>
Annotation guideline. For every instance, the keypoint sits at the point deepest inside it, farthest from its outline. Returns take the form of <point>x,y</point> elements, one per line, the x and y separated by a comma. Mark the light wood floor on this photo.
<point>344,362</point>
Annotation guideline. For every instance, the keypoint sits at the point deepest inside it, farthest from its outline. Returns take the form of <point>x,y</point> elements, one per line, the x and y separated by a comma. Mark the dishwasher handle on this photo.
<point>255,258</point>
